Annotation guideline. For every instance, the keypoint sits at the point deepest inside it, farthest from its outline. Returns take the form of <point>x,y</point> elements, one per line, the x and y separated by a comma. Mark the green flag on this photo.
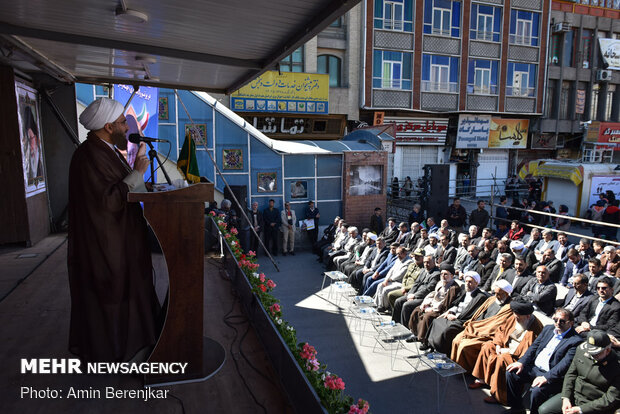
<point>187,163</point>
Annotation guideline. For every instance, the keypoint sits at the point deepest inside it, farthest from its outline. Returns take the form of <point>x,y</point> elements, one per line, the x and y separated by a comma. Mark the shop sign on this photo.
<point>600,184</point>
<point>420,131</point>
<point>609,133</point>
<point>580,101</point>
<point>287,92</point>
<point>610,51</point>
<point>473,131</point>
<point>508,133</point>
<point>592,134</point>
<point>544,141</point>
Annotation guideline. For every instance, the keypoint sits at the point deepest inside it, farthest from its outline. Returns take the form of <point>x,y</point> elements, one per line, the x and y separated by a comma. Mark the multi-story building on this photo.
<point>426,62</point>
<point>583,91</point>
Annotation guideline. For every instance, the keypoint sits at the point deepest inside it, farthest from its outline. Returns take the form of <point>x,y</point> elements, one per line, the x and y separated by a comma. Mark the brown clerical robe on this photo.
<point>491,366</point>
<point>113,301</point>
<point>420,321</point>
<point>467,344</point>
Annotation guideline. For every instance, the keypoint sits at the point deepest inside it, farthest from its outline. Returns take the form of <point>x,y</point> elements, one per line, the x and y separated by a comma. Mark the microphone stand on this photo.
<point>153,155</point>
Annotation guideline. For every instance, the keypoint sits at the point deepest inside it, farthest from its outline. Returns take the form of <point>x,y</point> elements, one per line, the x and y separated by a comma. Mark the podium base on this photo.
<point>214,357</point>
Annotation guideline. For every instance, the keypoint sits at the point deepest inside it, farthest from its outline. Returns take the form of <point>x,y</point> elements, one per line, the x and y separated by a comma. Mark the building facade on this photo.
<point>426,62</point>
<point>583,95</point>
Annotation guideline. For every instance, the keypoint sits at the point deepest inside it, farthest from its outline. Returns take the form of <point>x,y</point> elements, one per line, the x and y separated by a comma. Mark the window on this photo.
<point>524,32</point>
<point>394,15</point>
<point>611,89</point>
<point>440,73</point>
<point>521,79</point>
<point>485,22</point>
<point>594,102</point>
<point>337,22</point>
<point>391,70</point>
<point>293,62</point>
<point>442,17</point>
<point>482,77</point>
<point>332,66</point>
<point>441,21</point>
<point>556,50</point>
<point>567,53</point>
<point>564,98</point>
<point>586,48</point>
<point>524,28</point>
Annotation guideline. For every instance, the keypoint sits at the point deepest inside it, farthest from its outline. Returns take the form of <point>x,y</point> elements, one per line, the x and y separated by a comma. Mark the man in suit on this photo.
<point>600,313</point>
<point>414,235</point>
<point>445,252</point>
<point>471,262</point>
<point>371,265</point>
<point>563,247</point>
<point>544,364</point>
<point>578,295</point>
<point>358,261</point>
<point>376,222</point>
<point>461,252</point>
<point>413,271</point>
<point>403,232</point>
<point>574,265</point>
<point>312,213</point>
<point>585,249</point>
<point>395,274</point>
<point>256,221</point>
<point>390,233</point>
<point>485,267</point>
<point>520,277</point>
<point>479,216</point>
<point>530,241</point>
<point>503,270</point>
<point>594,273</point>
<point>553,265</point>
<point>487,234</point>
<point>288,223</point>
<point>547,242</point>
<point>271,218</point>
<point>541,292</point>
<point>423,285</point>
<point>592,383</point>
<point>381,271</point>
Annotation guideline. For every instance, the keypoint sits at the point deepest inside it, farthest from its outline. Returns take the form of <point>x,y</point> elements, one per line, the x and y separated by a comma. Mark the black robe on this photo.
<point>113,301</point>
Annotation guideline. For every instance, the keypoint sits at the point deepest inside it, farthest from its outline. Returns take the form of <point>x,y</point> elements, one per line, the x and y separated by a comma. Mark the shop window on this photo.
<point>332,66</point>
<point>293,62</point>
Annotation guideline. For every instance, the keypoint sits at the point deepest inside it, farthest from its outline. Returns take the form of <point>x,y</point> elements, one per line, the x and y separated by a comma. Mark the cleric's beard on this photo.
<point>119,140</point>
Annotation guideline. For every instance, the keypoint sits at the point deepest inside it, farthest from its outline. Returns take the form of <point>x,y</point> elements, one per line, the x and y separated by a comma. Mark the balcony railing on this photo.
<point>445,87</point>
<point>482,90</point>
<point>523,92</point>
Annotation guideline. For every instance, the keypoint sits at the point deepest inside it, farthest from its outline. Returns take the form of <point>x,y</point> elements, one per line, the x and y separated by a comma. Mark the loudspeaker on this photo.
<point>437,176</point>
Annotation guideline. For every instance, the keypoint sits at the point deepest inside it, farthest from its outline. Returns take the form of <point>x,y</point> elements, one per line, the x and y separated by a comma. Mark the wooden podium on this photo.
<point>177,219</point>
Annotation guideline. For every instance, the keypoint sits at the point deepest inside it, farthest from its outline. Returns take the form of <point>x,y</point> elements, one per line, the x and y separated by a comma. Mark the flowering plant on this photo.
<point>328,386</point>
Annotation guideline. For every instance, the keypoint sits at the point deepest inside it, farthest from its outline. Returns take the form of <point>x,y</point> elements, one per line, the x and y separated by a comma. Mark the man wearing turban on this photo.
<point>113,301</point>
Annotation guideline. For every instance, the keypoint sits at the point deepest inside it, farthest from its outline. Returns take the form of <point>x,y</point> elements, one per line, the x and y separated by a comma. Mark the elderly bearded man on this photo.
<point>509,344</point>
<point>435,303</point>
<point>113,302</point>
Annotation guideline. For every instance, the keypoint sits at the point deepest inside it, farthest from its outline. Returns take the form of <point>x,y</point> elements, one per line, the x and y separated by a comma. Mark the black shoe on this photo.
<point>514,411</point>
<point>284,254</point>
<point>411,339</point>
<point>292,253</point>
<point>424,347</point>
<point>381,309</point>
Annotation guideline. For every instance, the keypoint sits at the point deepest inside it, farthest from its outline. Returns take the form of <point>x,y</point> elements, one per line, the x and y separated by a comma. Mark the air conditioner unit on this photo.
<point>561,27</point>
<point>603,75</point>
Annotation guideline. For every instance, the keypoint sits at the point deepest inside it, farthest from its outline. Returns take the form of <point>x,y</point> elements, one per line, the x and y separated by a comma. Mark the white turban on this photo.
<point>101,112</point>
<point>473,275</point>
<point>504,285</point>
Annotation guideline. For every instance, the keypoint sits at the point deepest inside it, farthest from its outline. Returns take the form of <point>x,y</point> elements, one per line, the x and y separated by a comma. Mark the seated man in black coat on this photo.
<point>602,312</point>
<point>553,265</point>
<point>544,364</point>
<point>578,296</point>
<point>503,270</point>
<point>520,278</point>
<point>541,292</point>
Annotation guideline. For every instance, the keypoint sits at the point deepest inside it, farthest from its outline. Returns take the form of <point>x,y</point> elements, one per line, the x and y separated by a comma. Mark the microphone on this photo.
<point>137,138</point>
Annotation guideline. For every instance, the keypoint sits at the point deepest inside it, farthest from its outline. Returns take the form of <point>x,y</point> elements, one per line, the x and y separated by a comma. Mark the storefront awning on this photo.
<point>538,168</point>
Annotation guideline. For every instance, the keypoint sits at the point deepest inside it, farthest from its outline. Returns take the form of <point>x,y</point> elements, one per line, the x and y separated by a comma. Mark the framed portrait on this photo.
<point>299,189</point>
<point>202,131</point>
<point>162,110</point>
<point>30,138</point>
<point>267,182</point>
<point>366,180</point>
<point>232,159</point>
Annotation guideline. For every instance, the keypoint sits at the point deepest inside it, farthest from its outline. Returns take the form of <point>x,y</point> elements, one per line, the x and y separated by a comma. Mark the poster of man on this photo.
<point>366,180</point>
<point>32,148</point>
<point>299,189</point>
<point>267,182</point>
